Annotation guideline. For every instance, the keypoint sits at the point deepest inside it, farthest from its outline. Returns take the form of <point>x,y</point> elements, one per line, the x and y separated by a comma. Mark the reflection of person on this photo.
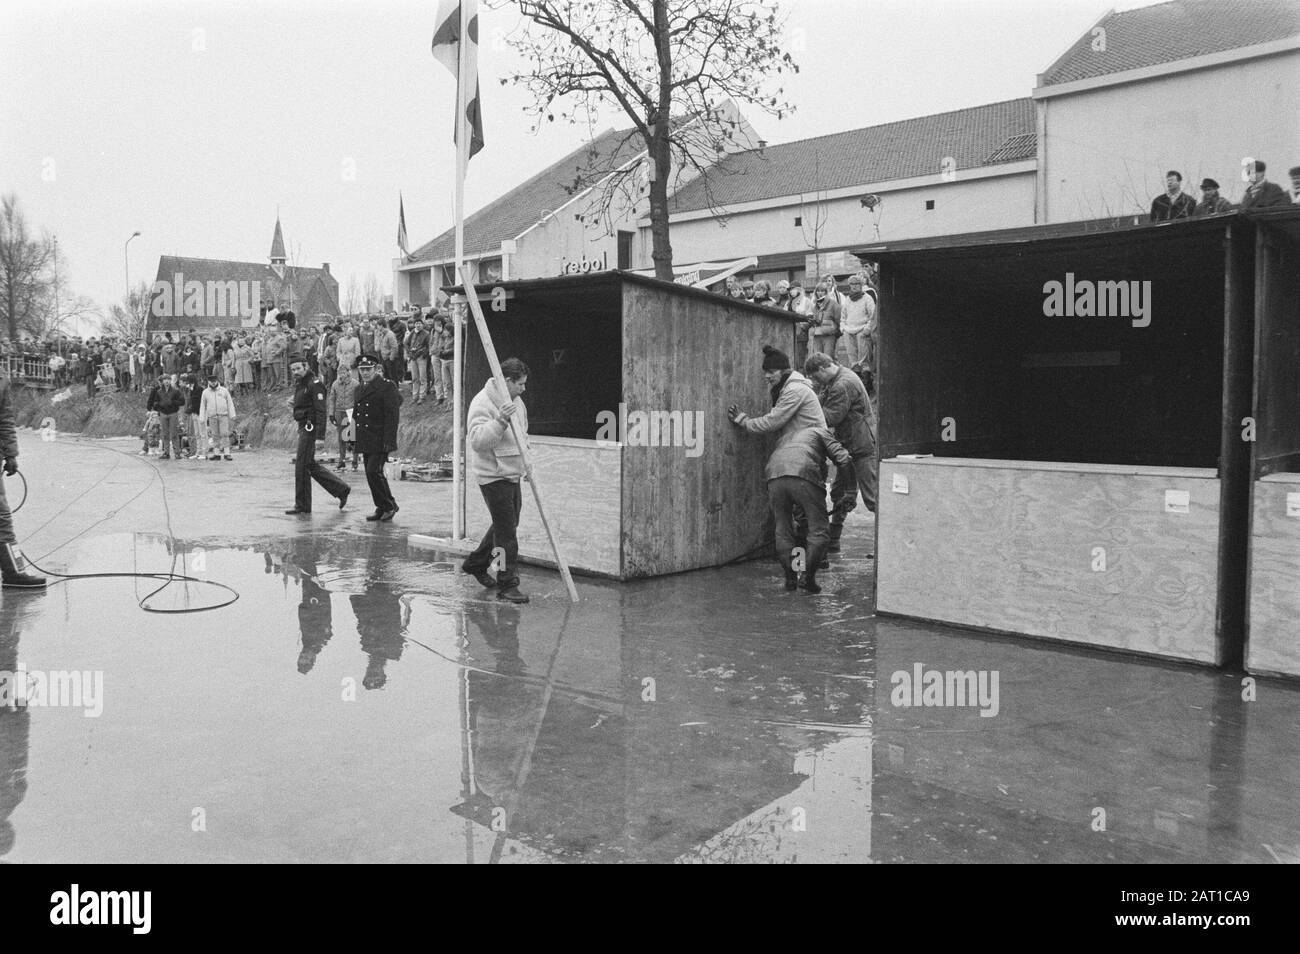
<point>12,566</point>
<point>309,411</point>
<point>15,723</point>
<point>377,408</point>
<point>379,624</point>
<point>315,620</point>
<point>496,462</point>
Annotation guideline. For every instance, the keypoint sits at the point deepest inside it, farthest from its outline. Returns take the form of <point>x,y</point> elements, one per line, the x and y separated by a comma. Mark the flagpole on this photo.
<point>458,333</point>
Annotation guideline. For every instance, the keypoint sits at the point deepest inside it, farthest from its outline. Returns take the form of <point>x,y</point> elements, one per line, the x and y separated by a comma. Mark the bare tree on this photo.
<point>353,296</point>
<point>372,294</point>
<point>667,64</point>
<point>812,220</point>
<point>25,285</point>
<point>128,318</point>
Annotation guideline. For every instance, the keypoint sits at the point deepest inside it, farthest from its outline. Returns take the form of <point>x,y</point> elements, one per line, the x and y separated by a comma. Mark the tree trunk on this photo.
<point>662,249</point>
<point>660,153</point>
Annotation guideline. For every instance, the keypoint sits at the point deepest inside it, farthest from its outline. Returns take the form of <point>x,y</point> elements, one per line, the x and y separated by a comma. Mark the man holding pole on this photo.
<point>496,462</point>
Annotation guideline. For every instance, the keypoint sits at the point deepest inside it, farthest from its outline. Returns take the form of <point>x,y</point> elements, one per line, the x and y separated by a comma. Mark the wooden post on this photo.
<point>471,294</point>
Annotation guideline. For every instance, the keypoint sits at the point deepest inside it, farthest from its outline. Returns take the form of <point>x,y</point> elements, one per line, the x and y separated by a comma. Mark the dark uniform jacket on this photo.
<point>375,413</point>
<point>309,405</point>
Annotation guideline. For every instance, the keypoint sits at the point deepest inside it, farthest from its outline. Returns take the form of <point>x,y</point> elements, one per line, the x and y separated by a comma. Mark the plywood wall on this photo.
<point>1273,645</point>
<point>1015,548</point>
<point>690,353</point>
<point>580,482</point>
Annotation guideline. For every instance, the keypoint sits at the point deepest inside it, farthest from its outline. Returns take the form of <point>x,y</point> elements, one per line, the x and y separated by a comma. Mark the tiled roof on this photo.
<point>1178,30</point>
<point>314,289</point>
<point>524,205</point>
<point>978,136</point>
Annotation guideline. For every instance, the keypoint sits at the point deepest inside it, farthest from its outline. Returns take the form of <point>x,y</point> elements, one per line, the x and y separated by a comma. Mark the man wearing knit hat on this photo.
<point>795,474</point>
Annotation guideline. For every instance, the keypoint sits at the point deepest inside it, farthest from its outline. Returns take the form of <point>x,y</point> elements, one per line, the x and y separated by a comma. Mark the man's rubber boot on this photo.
<point>809,581</point>
<point>511,594</point>
<point>13,570</point>
<point>837,530</point>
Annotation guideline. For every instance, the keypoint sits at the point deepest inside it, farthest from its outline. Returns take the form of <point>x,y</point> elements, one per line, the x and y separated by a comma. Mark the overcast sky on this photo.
<point>192,122</point>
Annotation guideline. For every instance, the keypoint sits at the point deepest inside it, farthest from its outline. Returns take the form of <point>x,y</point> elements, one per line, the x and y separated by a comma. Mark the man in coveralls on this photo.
<point>309,411</point>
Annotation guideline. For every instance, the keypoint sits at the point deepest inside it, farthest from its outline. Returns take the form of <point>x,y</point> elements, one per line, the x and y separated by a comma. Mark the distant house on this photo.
<point>209,294</point>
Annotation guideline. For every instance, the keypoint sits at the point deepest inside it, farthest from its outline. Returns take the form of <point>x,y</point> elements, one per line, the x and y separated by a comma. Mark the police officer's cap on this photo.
<point>368,361</point>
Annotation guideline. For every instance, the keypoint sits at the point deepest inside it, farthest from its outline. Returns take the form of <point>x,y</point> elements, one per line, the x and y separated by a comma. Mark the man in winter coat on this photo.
<point>849,412</point>
<point>496,463</point>
<point>795,408</point>
<point>167,400</point>
<point>217,416</point>
<point>375,413</point>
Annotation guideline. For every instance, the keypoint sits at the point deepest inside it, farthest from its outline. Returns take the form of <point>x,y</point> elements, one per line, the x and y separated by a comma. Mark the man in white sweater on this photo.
<point>217,416</point>
<point>496,463</point>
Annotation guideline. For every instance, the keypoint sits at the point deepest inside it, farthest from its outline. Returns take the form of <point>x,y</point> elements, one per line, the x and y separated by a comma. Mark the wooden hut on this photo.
<point>1082,391</point>
<point>629,382</point>
<point>1273,637</point>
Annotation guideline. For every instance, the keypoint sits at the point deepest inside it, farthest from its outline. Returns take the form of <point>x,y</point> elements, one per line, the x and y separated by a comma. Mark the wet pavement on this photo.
<point>363,701</point>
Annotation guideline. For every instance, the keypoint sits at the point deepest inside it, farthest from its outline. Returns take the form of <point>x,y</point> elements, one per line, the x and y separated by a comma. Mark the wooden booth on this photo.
<point>1273,620</point>
<point>1061,423</point>
<point>628,387</point>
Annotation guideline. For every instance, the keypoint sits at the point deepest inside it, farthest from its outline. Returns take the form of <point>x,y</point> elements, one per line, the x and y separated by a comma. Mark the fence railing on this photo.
<point>30,369</point>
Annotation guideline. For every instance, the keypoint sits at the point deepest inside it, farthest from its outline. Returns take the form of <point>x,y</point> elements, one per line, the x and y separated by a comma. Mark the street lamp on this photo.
<point>126,255</point>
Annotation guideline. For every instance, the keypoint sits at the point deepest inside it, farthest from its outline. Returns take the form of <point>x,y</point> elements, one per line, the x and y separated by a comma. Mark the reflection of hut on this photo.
<point>1090,479</point>
<point>560,745</point>
<point>629,383</point>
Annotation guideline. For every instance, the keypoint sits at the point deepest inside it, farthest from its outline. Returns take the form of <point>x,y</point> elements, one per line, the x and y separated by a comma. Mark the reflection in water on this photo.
<point>694,718</point>
<point>379,624</point>
<point>315,619</point>
<point>16,610</point>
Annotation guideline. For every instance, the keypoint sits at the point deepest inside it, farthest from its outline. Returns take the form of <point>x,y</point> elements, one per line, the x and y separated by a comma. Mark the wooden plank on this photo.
<point>583,489</point>
<point>1273,644</point>
<point>1013,550</point>
<point>695,353</point>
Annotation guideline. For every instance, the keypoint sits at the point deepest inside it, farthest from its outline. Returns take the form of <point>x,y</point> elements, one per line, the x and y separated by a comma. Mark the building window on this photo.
<point>798,221</point>
<point>929,204</point>
<point>490,270</point>
<point>624,250</point>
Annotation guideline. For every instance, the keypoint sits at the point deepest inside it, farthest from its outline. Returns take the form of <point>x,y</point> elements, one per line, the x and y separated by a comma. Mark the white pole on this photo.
<point>458,334</point>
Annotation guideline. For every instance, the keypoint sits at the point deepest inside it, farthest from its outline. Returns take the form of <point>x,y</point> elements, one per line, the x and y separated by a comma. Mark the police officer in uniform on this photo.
<point>309,411</point>
<point>376,409</point>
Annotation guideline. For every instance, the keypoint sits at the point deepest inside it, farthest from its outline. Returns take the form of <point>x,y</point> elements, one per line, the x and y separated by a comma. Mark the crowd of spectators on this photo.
<point>834,315</point>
